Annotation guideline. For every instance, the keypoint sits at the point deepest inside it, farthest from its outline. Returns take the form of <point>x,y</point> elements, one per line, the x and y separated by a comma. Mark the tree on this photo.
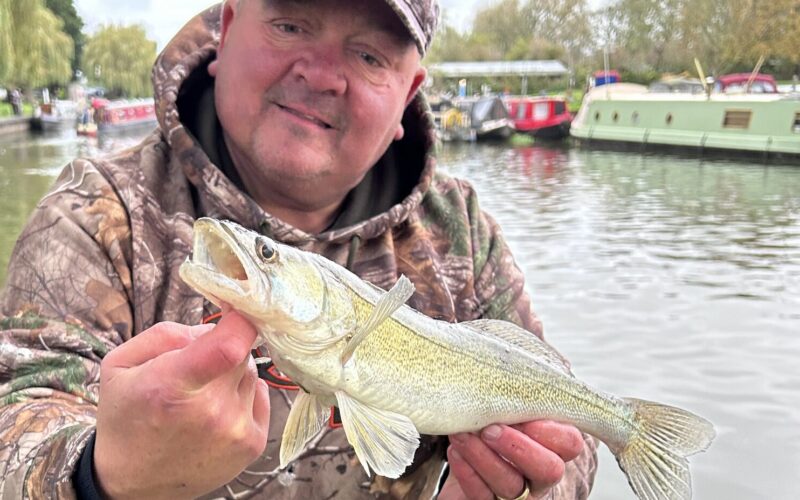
<point>647,31</point>
<point>771,28</point>
<point>40,51</point>
<point>73,26</point>
<point>6,45</point>
<point>726,35</point>
<point>120,58</point>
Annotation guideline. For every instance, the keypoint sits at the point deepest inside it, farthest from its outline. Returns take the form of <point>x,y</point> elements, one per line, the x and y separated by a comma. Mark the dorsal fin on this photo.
<point>522,338</point>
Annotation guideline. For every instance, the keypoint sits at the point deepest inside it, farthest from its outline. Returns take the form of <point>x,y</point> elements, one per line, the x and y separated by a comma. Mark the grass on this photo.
<point>7,111</point>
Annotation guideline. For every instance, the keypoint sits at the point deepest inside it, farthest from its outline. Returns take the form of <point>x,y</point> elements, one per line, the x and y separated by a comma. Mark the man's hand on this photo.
<point>181,411</point>
<point>504,460</point>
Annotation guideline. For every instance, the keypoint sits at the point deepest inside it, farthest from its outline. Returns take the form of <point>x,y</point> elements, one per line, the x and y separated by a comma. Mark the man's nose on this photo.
<point>323,70</point>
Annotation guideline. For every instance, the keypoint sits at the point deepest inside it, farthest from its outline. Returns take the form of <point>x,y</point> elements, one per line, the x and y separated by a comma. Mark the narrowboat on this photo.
<point>125,115</point>
<point>729,121</point>
<point>542,117</point>
<point>53,116</point>
<point>474,119</point>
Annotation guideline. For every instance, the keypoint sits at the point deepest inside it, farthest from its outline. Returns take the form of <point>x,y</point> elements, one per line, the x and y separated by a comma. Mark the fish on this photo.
<point>395,373</point>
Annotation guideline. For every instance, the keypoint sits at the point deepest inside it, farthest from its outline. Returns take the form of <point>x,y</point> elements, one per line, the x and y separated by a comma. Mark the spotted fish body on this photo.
<point>395,373</point>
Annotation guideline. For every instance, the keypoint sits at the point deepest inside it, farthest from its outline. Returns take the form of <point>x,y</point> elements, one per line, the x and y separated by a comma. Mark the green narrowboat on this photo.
<point>762,124</point>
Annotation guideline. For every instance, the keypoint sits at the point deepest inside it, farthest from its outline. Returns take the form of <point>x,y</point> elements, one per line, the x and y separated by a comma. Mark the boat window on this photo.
<point>796,126</point>
<point>521,110</point>
<point>597,116</point>
<point>541,110</point>
<point>669,119</point>
<point>737,119</point>
<point>615,117</point>
<point>560,108</point>
<point>635,118</point>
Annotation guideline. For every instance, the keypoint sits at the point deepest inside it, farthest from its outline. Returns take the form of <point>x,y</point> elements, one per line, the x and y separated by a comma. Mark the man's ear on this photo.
<point>419,78</point>
<point>226,18</point>
<point>416,83</point>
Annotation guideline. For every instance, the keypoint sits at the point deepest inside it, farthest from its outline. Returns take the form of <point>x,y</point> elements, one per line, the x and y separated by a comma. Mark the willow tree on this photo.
<point>36,51</point>
<point>6,47</point>
<point>120,58</point>
<point>73,25</point>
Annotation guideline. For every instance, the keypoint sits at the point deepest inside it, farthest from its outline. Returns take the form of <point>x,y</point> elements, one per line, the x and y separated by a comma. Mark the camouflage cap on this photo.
<point>421,17</point>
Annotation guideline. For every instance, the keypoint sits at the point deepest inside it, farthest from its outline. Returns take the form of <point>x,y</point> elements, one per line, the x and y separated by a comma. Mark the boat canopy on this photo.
<point>499,68</point>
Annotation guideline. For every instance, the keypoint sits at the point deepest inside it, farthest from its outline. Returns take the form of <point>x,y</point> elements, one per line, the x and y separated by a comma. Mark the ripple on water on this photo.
<point>670,279</point>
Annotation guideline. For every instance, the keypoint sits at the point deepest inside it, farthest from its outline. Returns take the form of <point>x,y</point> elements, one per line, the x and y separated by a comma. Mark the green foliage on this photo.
<point>6,46</point>
<point>120,59</point>
<point>34,50</point>
<point>725,35</point>
<point>517,30</point>
<point>73,26</point>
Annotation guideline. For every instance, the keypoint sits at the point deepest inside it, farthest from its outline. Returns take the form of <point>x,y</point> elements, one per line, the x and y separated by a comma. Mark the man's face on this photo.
<point>310,93</point>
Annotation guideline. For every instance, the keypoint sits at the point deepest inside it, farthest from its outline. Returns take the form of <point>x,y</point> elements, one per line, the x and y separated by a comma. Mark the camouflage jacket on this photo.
<point>98,261</point>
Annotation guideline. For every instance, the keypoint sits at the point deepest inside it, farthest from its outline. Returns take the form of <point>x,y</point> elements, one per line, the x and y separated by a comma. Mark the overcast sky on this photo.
<point>163,18</point>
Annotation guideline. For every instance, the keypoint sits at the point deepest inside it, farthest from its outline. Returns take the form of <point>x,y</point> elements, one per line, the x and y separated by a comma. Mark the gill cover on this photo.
<point>313,305</point>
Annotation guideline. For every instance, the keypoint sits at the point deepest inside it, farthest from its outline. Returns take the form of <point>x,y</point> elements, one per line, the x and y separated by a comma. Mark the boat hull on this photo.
<point>551,133</point>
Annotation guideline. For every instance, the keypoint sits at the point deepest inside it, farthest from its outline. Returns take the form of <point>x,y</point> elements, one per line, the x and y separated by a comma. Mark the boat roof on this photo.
<point>499,68</point>
<point>743,77</point>
<point>532,98</point>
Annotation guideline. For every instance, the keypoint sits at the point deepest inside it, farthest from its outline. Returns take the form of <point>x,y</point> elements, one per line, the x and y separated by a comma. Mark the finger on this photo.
<point>498,475</point>
<point>469,482</point>
<point>539,465</point>
<point>151,343</point>
<point>217,353</point>
<point>564,440</point>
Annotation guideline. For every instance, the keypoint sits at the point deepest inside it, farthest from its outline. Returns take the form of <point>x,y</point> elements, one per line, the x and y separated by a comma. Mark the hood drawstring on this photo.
<point>355,243</point>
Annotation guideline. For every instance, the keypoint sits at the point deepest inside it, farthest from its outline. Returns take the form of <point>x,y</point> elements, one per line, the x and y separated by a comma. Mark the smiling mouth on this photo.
<point>306,117</point>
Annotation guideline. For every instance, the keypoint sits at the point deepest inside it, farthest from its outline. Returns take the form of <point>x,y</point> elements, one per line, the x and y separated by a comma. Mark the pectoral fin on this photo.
<point>306,419</point>
<point>384,441</point>
<point>387,304</point>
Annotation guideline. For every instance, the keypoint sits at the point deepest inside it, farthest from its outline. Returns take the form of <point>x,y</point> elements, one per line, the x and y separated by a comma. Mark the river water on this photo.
<point>660,277</point>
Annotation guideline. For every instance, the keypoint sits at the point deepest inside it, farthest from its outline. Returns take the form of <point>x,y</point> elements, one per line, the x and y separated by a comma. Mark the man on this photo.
<point>300,119</point>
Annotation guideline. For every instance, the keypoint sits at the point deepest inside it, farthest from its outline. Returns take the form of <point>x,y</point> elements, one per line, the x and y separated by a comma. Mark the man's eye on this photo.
<point>370,59</point>
<point>288,28</point>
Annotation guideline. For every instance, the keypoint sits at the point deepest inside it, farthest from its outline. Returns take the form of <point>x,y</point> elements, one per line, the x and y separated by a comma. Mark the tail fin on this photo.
<point>655,458</point>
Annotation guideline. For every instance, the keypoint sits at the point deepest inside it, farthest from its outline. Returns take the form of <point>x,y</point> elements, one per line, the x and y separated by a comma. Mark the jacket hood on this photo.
<point>190,51</point>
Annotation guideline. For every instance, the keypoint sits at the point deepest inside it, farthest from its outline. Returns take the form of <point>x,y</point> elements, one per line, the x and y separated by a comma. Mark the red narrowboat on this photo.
<point>545,117</point>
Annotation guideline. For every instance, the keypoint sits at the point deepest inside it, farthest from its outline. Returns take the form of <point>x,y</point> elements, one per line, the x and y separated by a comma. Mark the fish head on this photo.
<point>271,284</point>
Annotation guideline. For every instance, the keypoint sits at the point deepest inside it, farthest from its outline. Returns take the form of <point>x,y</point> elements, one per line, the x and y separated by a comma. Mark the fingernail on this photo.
<point>491,433</point>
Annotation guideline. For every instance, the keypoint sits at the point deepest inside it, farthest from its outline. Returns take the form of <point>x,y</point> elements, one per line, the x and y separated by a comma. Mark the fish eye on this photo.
<point>266,250</point>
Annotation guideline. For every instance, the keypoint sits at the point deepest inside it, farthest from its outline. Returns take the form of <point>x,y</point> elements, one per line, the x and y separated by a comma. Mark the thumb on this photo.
<point>216,353</point>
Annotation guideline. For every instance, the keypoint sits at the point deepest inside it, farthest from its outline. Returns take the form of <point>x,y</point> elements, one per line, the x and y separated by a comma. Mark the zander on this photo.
<point>395,373</point>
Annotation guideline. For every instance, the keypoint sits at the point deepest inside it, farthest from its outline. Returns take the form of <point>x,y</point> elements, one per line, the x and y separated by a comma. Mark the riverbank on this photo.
<point>14,125</point>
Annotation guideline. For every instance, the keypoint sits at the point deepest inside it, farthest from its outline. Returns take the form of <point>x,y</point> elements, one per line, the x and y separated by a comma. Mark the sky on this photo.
<point>163,18</point>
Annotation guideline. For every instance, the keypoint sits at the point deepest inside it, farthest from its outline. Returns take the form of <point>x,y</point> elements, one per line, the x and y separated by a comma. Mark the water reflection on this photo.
<point>668,278</point>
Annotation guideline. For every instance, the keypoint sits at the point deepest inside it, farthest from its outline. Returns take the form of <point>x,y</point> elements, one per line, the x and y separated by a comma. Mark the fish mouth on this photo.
<point>217,266</point>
